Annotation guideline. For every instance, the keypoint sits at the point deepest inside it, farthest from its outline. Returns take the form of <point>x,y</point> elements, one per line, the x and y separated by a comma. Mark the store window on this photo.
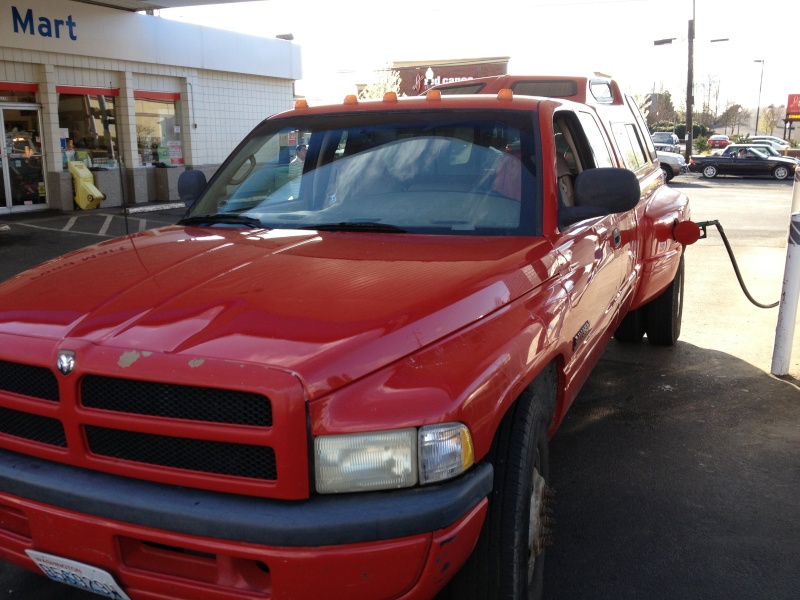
<point>24,93</point>
<point>158,130</point>
<point>87,124</point>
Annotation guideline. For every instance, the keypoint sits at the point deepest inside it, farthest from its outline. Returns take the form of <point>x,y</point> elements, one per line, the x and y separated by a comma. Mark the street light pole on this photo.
<point>758,108</point>
<point>690,89</point>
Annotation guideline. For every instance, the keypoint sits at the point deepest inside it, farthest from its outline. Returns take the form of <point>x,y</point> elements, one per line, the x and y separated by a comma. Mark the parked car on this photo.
<point>766,148</point>
<point>719,141</point>
<point>744,162</point>
<point>665,137</point>
<point>665,141</point>
<point>672,163</point>
<point>774,141</point>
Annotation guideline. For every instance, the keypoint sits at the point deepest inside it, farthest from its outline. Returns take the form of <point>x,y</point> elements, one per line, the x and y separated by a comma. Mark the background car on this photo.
<point>719,141</point>
<point>776,143</point>
<point>752,162</point>
<point>773,141</point>
<point>666,141</point>
<point>766,148</point>
<point>672,163</point>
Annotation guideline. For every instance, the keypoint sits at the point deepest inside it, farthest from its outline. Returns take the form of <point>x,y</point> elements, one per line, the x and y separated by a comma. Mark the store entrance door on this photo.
<point>22,183</point>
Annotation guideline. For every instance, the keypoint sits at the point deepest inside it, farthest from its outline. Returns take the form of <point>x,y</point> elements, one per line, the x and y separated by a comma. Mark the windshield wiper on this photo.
<point>367,226</point>
<point>223,219</point>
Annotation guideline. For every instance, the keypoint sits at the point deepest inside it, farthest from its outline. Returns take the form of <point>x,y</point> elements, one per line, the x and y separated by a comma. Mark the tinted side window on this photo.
<point>597,141</point>
<point>630,145</point>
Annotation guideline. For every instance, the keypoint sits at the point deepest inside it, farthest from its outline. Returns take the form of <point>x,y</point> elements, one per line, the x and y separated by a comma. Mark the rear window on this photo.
<point>452,173</point>
<point>548,89</point>
<point>467,88</point>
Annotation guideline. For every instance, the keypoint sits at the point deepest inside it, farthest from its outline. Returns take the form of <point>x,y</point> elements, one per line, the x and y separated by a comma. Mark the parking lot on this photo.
<point>677,470</point>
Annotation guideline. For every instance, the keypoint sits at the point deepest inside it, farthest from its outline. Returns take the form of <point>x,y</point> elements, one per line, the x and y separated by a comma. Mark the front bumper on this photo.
<point>162,541</point>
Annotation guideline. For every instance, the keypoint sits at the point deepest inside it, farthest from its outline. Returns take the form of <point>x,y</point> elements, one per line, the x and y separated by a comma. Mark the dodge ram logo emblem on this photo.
<point>65,362</point>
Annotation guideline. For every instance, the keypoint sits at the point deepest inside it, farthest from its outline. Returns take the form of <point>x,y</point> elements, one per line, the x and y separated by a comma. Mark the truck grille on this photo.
<point>239,460</point>
<point>228,438</point>
<point>36,382</point>
<point>176,401</point>
<point>32,427</point>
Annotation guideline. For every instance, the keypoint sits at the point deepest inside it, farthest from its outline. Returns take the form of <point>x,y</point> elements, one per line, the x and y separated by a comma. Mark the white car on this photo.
<point>672,164</point>
<point>770,140</point>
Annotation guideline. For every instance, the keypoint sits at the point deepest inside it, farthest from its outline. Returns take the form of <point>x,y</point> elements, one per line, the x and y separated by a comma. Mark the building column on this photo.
<point>136,178</point>
<point>59,190</point>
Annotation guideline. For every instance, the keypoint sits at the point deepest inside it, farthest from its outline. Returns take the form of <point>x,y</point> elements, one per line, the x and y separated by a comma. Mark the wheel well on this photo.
<point>547,386</point>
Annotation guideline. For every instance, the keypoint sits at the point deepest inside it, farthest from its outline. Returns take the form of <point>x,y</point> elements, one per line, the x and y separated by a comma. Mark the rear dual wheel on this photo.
<point>660,319</point>
<point>663,315</point>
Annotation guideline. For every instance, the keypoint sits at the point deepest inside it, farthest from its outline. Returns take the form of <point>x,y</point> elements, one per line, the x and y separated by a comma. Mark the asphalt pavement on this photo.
<point>677,470</point>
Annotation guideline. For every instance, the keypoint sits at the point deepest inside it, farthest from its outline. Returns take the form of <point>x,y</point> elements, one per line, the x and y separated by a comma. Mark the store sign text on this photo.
<point>45,28</point>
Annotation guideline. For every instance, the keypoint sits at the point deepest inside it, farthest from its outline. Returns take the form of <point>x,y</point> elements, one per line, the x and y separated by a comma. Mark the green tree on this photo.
<point>770,117</point>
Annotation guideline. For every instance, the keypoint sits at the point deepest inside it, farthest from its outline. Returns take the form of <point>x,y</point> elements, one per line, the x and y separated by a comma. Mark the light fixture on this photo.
<point>428,77</point>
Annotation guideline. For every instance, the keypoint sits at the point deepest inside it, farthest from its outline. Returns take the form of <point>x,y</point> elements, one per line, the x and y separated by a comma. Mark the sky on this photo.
<point>344,41</point>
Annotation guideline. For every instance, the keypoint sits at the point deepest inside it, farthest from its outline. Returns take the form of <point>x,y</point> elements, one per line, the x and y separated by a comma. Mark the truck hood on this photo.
<point>329,307</point>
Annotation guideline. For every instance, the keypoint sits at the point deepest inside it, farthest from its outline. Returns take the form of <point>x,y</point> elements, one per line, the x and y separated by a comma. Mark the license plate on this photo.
<point>78,575</point>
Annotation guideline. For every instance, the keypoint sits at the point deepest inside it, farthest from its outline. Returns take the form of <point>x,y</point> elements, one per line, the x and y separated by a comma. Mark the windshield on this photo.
<point>472,174</point>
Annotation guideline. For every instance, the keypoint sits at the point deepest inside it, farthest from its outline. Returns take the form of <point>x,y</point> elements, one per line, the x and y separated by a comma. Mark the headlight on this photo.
<point>444,451</point>
<point>397,458</point>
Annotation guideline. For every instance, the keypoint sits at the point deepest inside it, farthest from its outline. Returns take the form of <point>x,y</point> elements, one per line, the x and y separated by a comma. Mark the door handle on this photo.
<point>617,238</point>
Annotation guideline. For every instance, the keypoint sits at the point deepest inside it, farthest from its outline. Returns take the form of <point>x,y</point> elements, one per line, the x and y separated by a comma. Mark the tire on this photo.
<point>631,330</point>
<point>667,170</point>
<point>508,560</point>
<point>780,172</point>
<point>709,171</point>
<point>663,315</point>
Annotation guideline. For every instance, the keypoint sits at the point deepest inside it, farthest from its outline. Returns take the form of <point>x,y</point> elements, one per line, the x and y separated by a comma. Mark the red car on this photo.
<point>719,141</point>
<point>337,378</point>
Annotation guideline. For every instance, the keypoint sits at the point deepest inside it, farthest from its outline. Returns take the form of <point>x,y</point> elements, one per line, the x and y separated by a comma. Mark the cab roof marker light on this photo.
<point>301,104</point>
<point>433,96</point>
<point>351,99</point>
<point>390,97</point>
<point>505,94</point>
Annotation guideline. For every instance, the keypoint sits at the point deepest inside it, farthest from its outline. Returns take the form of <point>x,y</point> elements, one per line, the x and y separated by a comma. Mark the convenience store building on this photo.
<point>135,97</point>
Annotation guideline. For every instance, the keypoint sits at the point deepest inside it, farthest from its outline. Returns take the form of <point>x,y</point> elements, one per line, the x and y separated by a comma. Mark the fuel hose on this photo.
<point>703,225</point>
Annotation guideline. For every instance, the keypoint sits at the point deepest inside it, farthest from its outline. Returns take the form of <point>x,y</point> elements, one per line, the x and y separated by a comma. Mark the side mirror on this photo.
<point>611,189</point>
<point>190,184</point>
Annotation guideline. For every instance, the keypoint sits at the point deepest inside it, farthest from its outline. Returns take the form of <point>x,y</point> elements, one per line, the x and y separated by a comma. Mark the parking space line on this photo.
<point>69,224</point>
<point>142,225</point>
<point>64,229</point>
<point>106,224</point>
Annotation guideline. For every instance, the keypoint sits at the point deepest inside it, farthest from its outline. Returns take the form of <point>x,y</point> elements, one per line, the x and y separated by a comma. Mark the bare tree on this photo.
<point>661,109</point>
<point>730,117</point>
<point>386,80</point>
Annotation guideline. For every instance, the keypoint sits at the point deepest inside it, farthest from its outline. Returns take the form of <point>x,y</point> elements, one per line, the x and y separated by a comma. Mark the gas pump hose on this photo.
<point>718,225</point>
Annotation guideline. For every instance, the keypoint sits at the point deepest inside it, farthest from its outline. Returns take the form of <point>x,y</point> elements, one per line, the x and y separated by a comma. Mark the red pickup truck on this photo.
<point>337,377</point>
